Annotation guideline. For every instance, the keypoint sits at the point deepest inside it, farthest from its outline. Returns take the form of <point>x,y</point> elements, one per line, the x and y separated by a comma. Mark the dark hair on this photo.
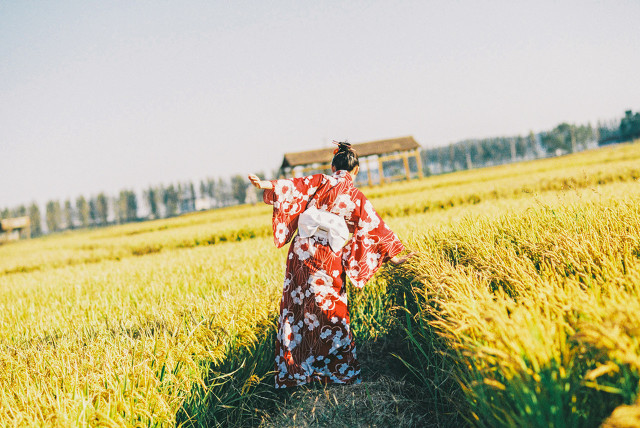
<point>345,157</point>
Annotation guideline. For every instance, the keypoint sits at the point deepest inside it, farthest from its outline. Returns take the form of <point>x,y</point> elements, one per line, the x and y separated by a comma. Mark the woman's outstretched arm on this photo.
<point>396,260</point>
<point>260,184</point>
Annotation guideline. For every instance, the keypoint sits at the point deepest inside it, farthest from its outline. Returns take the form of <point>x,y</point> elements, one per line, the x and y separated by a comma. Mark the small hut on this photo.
<point>13,229</point>
<point>374,156</point>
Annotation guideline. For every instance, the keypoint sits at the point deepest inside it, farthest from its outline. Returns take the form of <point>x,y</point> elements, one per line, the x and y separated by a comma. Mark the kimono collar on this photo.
<point>343,173</point>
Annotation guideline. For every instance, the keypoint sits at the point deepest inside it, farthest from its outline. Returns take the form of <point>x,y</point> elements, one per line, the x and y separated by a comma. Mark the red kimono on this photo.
<point>314,340</point>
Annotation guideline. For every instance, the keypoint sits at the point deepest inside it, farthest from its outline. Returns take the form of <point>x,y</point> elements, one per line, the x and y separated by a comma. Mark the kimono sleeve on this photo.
<point>372,244</point>
<point>289,198</point>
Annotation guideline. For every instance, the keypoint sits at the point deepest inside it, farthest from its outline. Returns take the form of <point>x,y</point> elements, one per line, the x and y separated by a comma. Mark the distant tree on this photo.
<point>181,199</point>
<point>83,211</point>
<point>68,214</point>
<point>102,209</point>
<point>486,151</point>
<point>192,197</point>
<point>53,216</point>
<point>170,200</point>
<point>19,211</point>
<point>116,209</point>
<point>151,197</point>
<point>452,157</point>
<point>630,126</point>
<point>239,188</point>
<point>131,206</point>
<point>521,146</point>
<point>186,197</point>
<point>121,204</point>
<point>442,158</point>
<point>5,213</point>
<point>36,220</point>
<point>203,188</point>
<point>471,153</point>
<point>160,200</point>
<point>93,211</point>
<point>479,158</point>
<point>460,156</point>
<point>212,189</point>
<point>222,192</point>
<point>532,144</point>
<point>560,138</point>
<point>126,207</point>
<point>608,132</point>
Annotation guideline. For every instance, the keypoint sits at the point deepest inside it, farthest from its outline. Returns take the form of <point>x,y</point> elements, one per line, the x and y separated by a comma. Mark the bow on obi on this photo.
<point>323,224</point>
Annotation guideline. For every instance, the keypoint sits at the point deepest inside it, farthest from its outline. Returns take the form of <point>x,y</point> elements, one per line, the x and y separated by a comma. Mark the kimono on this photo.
<point>314,341</point>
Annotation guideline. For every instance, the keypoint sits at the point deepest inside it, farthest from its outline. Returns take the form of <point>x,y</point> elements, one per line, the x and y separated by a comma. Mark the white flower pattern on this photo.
<point>281,232</point>
<point>343,206</point>
<point>304,248</point>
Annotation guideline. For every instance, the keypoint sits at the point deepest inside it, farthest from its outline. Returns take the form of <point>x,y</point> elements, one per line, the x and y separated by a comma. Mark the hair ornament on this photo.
<point>342,146</point>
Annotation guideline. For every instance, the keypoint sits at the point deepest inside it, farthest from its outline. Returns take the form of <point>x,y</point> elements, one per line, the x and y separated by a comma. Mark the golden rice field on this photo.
<point>522,307</point>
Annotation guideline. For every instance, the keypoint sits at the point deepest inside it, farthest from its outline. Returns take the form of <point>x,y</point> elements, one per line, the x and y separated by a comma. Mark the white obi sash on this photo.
<point>323,224</point>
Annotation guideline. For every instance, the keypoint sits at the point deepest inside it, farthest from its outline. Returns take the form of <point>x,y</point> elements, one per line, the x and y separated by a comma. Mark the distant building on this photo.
<point>13,229</point>
<point>380,161</point>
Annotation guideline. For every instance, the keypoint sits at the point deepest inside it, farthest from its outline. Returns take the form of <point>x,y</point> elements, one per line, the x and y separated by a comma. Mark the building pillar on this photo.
<point>405,161</point>
<point>419,163</point>
<point>380,170</point>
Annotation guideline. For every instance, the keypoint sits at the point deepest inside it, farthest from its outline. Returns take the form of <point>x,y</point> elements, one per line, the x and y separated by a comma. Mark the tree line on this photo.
<point>128,206</point>
<point>563,139</point>
<point>167,201</point>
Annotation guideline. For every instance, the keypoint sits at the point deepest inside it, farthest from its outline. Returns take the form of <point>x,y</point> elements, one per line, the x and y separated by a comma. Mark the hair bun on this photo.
<point>344,156</point>
<point>343,146</point>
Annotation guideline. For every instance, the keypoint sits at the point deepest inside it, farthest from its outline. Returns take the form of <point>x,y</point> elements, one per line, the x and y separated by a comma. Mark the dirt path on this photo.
<point>385,398</point>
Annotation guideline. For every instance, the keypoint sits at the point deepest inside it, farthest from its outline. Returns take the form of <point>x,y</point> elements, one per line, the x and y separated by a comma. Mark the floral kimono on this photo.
<point>314,340</point>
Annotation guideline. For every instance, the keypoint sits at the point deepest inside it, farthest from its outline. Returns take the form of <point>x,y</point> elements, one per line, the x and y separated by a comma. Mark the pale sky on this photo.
<point>105,95</point>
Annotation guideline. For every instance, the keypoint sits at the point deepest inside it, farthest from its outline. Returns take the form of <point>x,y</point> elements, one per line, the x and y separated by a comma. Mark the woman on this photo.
<point>314,340</point>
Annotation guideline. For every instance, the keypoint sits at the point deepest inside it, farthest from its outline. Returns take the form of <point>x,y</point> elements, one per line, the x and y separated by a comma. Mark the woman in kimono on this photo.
<point>314,341</point>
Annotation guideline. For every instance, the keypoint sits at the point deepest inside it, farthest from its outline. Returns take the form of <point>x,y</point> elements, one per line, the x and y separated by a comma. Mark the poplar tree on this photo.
<point>93,211</point>
<point>222,192</point>
<point>181,198</point>
<point>53,216</point>
<point>83,211</point>
<point>150,196</point>
<point>160,199</point>
<point>19,211</point>
<point>239,188</point>
<point>126,206</point>
<point>68,214</point>
<point>36,220</point>
<point>131,206</point>
<point>192,196</point>
<point>211,187</point>
<point>102,209</point>
<point>117,209</point>
<point>630,125</point>
<point>170,199</point>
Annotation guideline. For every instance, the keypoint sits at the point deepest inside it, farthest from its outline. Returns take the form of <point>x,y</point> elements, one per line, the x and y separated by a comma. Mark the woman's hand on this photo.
<point>260,184</point>
<point>399,260</point>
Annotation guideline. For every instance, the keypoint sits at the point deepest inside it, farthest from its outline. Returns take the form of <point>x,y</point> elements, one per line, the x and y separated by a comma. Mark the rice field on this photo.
<point>521,309</point>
